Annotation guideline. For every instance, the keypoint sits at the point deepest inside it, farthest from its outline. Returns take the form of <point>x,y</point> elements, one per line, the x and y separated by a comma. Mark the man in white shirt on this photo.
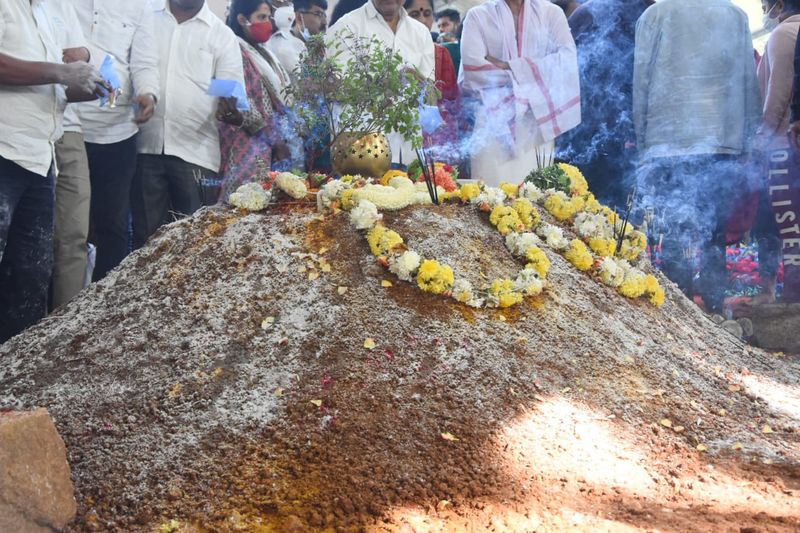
<point>122,29</point>
<point>389,22</point>
<point>296,24</point>
<point>179,151</point>
<point>32,97</point>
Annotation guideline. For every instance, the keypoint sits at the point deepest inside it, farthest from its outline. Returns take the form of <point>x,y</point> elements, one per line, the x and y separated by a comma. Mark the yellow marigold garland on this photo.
<point>505,293</point>
<point>519,216</point>
<point>469,191</point>
<point>434,277</point>
<point>578,254</point>
<point>506,219</point>
<point>510,189</point>
<point>382,241</point>
<point>529,216</point>
<point>538,261</point>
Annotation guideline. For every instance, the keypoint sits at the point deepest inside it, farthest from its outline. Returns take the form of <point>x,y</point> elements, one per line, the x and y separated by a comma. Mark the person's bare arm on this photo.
<point>18,72</point>
<point>80,78</point>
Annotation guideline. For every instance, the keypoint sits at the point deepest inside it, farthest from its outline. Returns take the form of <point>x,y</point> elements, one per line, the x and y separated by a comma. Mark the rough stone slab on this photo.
<point>36,492</point>
<point>776,327</point>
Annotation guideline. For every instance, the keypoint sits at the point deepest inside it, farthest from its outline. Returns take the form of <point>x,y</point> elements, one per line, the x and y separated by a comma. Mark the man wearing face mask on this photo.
<point>179,149</point>
<point>284,43</point>
<point>295,25</point>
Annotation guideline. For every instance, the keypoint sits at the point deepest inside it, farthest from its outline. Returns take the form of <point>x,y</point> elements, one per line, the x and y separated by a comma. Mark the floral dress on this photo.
<point>247,150</point>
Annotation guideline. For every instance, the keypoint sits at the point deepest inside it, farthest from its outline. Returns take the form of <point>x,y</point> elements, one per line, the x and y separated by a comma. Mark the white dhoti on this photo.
<point>521,109</point>
<point>493,162</point>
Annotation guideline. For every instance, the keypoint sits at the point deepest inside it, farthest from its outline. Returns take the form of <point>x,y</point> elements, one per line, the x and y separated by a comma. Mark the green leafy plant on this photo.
<point>355,84</point>
<point>550,177</point>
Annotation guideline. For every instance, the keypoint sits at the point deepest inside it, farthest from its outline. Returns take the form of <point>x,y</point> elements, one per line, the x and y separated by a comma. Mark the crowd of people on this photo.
<point>109,130</point>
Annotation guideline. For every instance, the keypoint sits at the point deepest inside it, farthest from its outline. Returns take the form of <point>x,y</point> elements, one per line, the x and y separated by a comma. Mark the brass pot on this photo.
<point>357,153</point>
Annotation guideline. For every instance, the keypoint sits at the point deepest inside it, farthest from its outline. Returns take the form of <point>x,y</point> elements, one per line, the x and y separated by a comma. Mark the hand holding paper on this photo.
<point>230,89</point>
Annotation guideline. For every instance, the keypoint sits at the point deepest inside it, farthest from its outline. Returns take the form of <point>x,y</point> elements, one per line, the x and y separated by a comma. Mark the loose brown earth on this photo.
<point>178,408</point>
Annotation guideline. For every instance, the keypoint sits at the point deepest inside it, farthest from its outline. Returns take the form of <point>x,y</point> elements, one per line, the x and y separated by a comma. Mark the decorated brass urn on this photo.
<point>358,153</point>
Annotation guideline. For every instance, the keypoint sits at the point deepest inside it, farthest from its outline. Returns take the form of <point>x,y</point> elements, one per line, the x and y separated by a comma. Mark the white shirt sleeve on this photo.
<point>228,64</point>
<point>74,37</point>
<point>144,56</point>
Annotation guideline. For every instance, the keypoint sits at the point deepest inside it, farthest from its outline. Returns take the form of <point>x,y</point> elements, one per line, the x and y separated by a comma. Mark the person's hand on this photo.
<point>80,77</point>
<point>147,106</point>
<point>72,55</point>
<point>794,133</point>
<point>227,112</point>
<point>412,71</point>
<point>499,63</point>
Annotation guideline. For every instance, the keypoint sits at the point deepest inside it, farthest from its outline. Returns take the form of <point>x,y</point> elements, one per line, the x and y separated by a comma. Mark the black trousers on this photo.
<point>27,206</point>
<point>167,188</point>
<point>111,168</point>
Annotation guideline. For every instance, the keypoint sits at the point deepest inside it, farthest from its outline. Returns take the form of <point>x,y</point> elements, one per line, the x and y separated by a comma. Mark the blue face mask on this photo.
<point>304,32</point>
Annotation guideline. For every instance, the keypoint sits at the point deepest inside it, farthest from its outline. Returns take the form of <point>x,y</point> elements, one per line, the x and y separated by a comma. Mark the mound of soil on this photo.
<point>219,381</point>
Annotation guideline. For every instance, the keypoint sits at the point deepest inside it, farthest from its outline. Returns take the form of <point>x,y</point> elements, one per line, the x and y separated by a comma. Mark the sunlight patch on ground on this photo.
<point>502,518</point>
<point>561,439</point>
<point>782,398</point>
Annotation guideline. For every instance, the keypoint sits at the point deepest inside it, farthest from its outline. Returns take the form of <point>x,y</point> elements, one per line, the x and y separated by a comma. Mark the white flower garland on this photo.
<point>251,197</point>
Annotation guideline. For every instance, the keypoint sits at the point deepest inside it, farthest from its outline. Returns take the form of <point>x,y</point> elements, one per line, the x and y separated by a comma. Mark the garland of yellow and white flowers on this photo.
<point>408,265</point>
<point>597,225</point>
<point>519,221</point>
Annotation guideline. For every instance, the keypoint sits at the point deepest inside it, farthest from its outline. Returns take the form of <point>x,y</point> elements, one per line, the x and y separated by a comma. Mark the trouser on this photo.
<point>784,194</point>
<point>26,246</point>
<point>695,195</point>
<point>71,232</point>
<point>111,167</point>
<point>167,188</point>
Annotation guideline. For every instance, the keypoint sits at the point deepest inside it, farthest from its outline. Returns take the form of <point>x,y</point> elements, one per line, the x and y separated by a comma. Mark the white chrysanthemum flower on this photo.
<point>493,196</point>
<point>531,192</point>
<point>560,194</point>
<point>529,282</point>
<point>330,192</point>
<point>593,225</point>
<point>365,215</point>
<point>519,243</point>
<point>405,265</point>
<point>463,292</point>
<point>250,196</point>
<point>553,236</point>
<point>292,185</point>
<point>612,272</point>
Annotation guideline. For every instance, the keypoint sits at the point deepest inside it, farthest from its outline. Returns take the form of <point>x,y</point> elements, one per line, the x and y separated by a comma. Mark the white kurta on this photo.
<point>520,111</point>
<point>412,41</point>
<point>287,48</point>
<point>191,54</point>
